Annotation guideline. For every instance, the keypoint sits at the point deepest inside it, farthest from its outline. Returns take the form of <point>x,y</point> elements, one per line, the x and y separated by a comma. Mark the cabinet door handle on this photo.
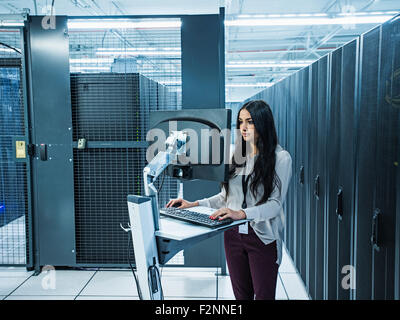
<point>375,227</point>
<point>43,151</point>
<point>316,186</point>
<point>339,203</point>
<point>301,179</point>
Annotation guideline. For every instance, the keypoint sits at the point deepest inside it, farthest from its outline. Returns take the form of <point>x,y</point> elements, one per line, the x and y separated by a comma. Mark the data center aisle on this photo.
<point>105,284</point>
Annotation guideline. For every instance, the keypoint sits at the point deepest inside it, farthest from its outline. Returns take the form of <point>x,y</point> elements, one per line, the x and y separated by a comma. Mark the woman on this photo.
<point>256,190</point>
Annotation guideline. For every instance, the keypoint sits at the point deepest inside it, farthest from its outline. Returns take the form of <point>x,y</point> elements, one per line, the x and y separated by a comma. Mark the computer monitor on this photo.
<point>208,146</point>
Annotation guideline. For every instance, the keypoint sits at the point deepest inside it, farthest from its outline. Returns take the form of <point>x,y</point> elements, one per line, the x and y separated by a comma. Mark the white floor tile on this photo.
<point>190,286</point>
<point>191,298</point>
<point>179,283</point>
<point>111,283</point>
<point>64,283</point>
<point>7,272</point>
<point>294,286</point>
<point>225,290</point>
<point>107,297</point>
<point>8,285</point>
<point>179,270</point>
<point>286,265</point>
<point>12,297</point>
<point>280,293</point>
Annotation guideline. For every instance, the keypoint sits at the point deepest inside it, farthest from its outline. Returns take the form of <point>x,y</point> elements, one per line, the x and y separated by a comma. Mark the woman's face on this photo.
<point>246,126</point>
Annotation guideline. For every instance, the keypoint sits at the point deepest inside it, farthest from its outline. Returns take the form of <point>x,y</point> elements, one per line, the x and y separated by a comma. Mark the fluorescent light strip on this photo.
<point>267,65</point>
<point>89,60</point>
<point>121,24</point>
<point>170,83</point>
<point>307,21</point>
<point>11,23</point>
<point>90,68</point>
<point>139,49</point>
<point>138,53</point>
<point>271,62</point>
<point>249,85</point>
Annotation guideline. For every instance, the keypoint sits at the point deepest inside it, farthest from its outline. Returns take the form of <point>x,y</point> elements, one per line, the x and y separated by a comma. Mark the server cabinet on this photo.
<point>312,175</point>
<point>301,163</point>
<point>317,176</point>
<point>397,240</point>
<point>284,105</point>
<point>291,144</point>
<point>15,167</point>
<point>394,98</point>
<point>366,162</point>
<point>111,111</point>
<point>344,138</point>
<point>341,206</point>
<point>387,135</point>
<point>340,161</point>
<point>333,142</point>
<point>377,158</point>
<point>320,174</point>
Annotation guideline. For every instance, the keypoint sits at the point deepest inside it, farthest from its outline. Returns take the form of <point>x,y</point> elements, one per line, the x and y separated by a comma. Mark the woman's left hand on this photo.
<point>224,213</point>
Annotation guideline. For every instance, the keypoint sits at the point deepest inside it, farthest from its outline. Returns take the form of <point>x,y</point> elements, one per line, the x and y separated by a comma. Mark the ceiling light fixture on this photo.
<point>91,60</point>
<point>308,21</point>
<point>4,23</point>
<point>139,53</point>
<point>267,65</point>
<point>122,24</point>
<point>247,85</point>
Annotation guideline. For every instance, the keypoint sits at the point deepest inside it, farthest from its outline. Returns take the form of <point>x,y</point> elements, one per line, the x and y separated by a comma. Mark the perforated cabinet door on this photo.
<point>366,161</point>
<point>344,189</point>
<point>387,156</point>
<point>333,152</point>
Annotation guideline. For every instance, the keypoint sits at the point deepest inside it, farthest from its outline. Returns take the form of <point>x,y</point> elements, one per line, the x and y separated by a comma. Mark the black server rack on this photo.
<point>397,240</point>
<point>15,185</point>
<point>387,132</point>
<point>320,177</point>
<point>313,178</point>
<point>341,170</point>
<point>13,191</point>
<point>290,146</point>
<point>301,168</point>
<point>366,165</point>
<point>339,120</point>
<point>111,111</point>
<point>333,155</point>
<point>394,98</point>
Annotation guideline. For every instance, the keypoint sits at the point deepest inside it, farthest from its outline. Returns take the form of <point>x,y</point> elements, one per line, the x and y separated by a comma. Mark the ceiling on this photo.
<point>258,53</point>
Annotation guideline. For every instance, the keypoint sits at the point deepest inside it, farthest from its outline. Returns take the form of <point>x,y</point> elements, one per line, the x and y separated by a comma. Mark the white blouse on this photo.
<point>267,219</point>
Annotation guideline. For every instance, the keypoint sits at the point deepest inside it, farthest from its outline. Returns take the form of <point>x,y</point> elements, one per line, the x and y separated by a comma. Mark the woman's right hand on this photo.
<point>181,203</point>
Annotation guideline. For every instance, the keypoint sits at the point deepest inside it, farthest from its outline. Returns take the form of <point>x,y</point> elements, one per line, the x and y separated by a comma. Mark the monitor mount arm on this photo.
<point>175,145</point>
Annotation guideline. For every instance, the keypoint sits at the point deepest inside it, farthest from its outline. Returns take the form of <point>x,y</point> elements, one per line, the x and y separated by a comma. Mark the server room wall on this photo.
<point>339,119</point>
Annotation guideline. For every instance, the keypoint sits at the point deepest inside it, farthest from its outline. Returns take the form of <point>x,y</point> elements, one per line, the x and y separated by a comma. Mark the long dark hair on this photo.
<point>264,166</point>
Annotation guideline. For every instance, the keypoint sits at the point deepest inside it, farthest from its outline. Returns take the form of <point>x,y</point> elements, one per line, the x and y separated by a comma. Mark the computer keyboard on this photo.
<point>194,217</point>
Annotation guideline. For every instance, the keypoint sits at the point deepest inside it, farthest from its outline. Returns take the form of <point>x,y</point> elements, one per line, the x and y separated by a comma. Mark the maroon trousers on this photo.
<point>252,265</point>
